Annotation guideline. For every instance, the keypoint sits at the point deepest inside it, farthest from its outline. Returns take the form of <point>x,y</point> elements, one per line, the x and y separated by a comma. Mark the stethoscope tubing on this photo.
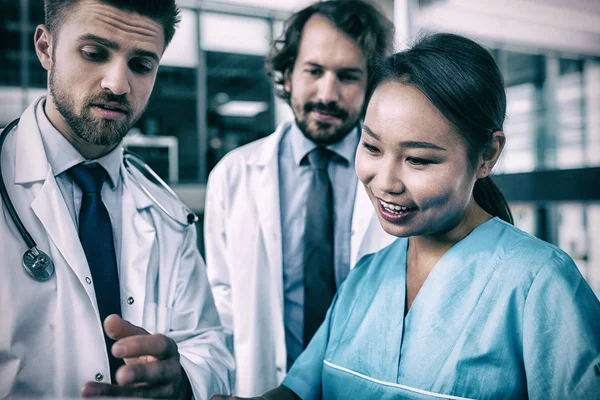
<point>4,193</point>
<point>139,164</point>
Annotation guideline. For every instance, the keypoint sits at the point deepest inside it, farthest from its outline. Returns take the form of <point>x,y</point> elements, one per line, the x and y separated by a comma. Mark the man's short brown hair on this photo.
<point>165,12</point>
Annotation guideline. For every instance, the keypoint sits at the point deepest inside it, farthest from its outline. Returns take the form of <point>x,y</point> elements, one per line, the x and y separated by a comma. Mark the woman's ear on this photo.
<point>42,41</point>
<point>491,155</point>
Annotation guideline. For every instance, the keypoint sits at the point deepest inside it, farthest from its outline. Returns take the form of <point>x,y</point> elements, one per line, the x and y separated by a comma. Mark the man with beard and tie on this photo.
<point>285,218</point>
<point>126,310</point>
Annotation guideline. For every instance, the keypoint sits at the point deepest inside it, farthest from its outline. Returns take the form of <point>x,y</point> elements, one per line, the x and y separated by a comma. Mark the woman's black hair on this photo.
<point>464,83</point>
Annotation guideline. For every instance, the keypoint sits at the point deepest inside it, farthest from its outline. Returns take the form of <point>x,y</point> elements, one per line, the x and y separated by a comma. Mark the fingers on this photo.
<point>150,373</point>
<point>157,345</point>
<point>94,389</point>
<point>117,328</point>
<point>160,379</point>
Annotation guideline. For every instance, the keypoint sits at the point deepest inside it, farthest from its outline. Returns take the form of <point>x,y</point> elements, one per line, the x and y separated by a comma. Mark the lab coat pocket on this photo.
<point>157,319</point>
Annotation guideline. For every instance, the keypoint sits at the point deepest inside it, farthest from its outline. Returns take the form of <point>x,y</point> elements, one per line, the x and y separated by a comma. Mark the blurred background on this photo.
<point>212,95</point>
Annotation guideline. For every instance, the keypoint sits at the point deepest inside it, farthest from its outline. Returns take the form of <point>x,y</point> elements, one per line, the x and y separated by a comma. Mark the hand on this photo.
<point>151,369</point>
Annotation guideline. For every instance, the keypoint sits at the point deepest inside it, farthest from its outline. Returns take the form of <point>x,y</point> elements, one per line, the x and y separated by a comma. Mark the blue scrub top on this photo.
<point>501,315</point>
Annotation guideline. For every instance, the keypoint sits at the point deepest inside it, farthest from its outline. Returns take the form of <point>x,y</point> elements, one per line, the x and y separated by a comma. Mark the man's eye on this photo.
<point>94,56</point>
<point>314,71</point>
<point>348,78</point>
<point>140,67</point>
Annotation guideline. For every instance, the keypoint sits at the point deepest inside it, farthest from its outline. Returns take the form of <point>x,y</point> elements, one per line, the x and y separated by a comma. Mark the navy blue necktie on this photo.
<point>319,278</point>
<point>96,236</point>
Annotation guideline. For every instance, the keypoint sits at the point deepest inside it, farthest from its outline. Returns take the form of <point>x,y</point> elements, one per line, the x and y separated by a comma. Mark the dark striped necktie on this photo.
<point>319,278</point>
<point>96,236</point>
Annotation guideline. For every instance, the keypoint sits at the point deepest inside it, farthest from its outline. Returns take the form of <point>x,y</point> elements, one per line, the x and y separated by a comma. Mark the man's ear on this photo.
<point>287,81</point>
<point>491,155</point>
<point>42,41</point>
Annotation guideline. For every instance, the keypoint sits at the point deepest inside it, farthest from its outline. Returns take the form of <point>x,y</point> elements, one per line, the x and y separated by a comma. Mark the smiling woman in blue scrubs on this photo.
<point>464,305</point>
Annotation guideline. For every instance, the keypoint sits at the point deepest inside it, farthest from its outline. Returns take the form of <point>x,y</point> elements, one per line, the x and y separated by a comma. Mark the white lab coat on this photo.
<point>242,236</point>
<point>51,339</point>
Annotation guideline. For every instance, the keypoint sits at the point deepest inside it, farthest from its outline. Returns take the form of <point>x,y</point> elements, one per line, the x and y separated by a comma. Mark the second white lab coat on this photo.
<point>244,257</point>
<point>51,339</point>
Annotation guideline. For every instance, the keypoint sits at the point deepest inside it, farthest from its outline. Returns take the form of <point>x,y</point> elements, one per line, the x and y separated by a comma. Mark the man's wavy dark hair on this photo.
<point>359,19</point>
<point>165,12</point>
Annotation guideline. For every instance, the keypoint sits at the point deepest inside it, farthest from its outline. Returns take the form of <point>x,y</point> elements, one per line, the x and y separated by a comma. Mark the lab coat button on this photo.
<point>279,369</point>
<point>130,300</point>
<point>88,280</point>
<point>99,377</point>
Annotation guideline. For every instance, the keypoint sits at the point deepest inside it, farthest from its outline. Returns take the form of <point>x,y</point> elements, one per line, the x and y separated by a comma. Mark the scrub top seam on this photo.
<point>391,384</point>
<point>495,270</point>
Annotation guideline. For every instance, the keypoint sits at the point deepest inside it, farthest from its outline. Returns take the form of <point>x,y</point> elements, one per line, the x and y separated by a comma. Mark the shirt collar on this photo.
<point>62,155</point>
<point>345,149</point>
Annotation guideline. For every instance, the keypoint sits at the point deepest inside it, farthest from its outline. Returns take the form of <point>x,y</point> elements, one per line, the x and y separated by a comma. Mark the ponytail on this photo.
<point>491,199</point>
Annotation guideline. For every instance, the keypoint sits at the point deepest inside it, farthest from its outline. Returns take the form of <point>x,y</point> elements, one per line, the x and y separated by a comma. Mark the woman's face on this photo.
<point>414,166</point>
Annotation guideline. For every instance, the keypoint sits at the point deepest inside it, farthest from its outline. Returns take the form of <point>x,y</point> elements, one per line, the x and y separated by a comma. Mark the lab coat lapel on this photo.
<point>138,238</point>
<point>266,196</point>
<point>269,219</point>
<point>50,208</point>
<point>48,204</point>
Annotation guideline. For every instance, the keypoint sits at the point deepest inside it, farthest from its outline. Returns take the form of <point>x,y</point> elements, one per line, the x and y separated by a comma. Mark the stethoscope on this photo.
<point>38,264</point>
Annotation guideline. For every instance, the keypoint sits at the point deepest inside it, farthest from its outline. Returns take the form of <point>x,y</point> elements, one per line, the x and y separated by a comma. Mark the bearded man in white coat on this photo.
<point>283,224</point>
<point>127,310</point>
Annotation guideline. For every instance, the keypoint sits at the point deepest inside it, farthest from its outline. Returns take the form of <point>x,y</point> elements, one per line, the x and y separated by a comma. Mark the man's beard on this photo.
<point>324,133</point>
<point>93,130</point>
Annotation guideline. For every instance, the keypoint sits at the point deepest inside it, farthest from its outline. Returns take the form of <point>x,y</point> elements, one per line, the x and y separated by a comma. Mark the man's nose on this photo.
<point>116,78</point>
<point>328,90</point>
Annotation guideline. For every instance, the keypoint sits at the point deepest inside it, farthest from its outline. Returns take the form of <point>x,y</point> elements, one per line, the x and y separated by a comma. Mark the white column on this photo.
<point>403,22</point>
<point>591,79</point>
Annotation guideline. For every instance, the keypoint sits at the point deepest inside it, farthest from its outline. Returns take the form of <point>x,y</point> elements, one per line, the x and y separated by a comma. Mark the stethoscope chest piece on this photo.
<point>38,264</point>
